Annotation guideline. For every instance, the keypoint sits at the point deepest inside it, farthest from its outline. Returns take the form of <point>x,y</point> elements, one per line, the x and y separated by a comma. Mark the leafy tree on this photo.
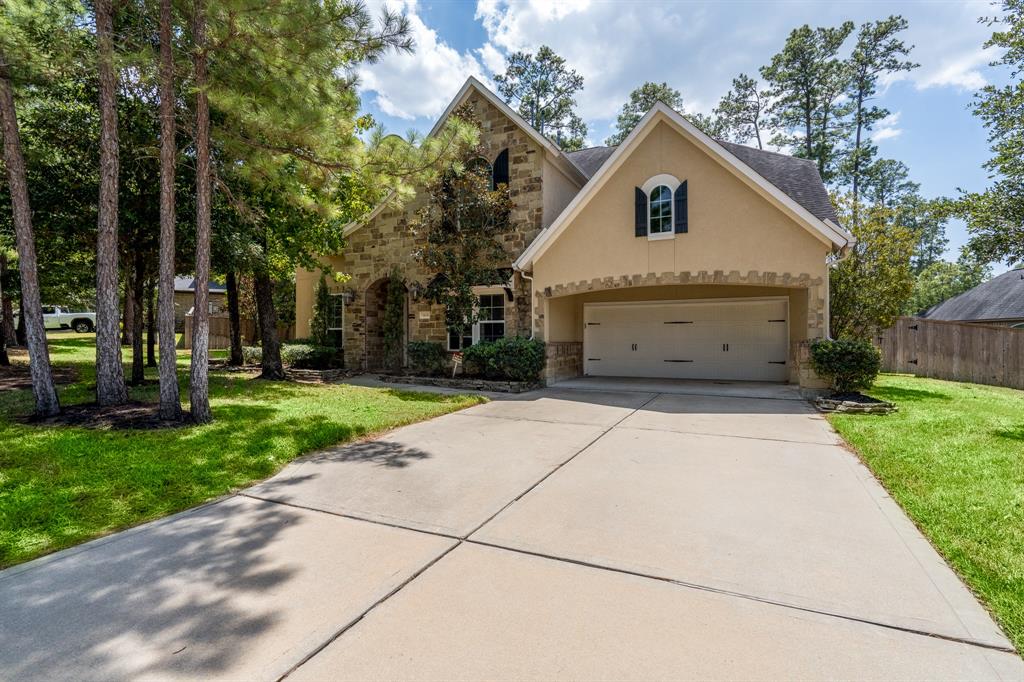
<point>942,280</point>
<point>871,285</point>
<point>321,312</point>
<point>642,100</point>
<point>887,183</point>
<point>543,90</point>
<point>711,125</point>
<point>927,218</point>
<point>808,82</point>
<point>879,52</point>
<point>995,217</point>
<point>461,226</point>
<point>743,109</point>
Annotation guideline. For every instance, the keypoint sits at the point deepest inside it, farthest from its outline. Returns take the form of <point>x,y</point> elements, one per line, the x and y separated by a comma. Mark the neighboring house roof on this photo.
<point>1000,298</point>
<point>559,158</point>
<point>188,284</point>
<point>745,167</point>
<point>798,178</point>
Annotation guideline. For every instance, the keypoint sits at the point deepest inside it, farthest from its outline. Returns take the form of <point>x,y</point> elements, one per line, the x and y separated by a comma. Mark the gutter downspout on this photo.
<point>528,278</point>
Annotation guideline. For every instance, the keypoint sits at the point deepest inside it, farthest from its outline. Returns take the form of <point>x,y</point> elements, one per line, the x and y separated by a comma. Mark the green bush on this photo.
<point>513,358</point>
<point>252,355</point>
<point>848,365</point>
<point>308,356</point>
<point>427,357</point>
<point>298,355</point>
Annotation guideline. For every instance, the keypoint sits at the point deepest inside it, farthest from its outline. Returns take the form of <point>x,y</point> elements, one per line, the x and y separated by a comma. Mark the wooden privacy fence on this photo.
<point>220,332</point>
<point>957,351</point>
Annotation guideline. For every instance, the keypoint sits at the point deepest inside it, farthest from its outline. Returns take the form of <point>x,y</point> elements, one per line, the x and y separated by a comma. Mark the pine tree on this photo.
<point>543,90</point>
<point>743,110</point>
<point>642,100</point>
<point>110,386</point>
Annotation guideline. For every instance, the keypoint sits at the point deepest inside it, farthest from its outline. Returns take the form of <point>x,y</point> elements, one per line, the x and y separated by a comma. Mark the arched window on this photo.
<point>660,210</point>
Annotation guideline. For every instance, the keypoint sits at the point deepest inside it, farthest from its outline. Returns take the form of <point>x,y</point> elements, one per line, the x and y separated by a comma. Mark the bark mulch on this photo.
<point>17,377</point>
<point>130,416</point>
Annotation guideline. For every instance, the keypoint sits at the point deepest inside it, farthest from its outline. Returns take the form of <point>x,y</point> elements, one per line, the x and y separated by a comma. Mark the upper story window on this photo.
<point>661,207</point>
<point>660,210</point>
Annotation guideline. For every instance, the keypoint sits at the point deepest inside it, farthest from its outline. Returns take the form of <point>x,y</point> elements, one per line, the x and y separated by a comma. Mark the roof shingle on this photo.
<point>797,178</point>
<point>1000,298</point>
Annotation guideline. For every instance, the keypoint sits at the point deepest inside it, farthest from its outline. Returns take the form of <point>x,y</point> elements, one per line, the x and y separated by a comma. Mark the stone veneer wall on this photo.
<point>386,243</point>
<point>800,372</point>
<point>563,360</point>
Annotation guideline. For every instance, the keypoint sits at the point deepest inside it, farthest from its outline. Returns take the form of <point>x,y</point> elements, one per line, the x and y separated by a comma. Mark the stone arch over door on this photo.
<point>375,303</point>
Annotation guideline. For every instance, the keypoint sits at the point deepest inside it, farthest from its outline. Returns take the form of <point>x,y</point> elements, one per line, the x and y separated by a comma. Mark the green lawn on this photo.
<point>60,485</point>
<point>953,457</point>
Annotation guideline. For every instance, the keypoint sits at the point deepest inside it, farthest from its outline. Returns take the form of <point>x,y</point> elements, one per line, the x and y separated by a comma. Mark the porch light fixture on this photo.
<point>348,296</point>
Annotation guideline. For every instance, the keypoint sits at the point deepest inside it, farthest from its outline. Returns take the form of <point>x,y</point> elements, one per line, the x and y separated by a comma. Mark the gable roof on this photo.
<point>798,178</point>
<point>1000,298</point>
<point>822,226</point>
<point>188,284</point>
<point>559,157</point>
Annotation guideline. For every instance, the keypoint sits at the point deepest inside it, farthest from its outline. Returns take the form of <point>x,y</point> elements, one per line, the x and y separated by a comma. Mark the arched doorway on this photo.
<point>387,323</point>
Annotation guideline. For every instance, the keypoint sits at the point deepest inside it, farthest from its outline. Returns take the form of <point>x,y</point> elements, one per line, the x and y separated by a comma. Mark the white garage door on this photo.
<point>743,339</point>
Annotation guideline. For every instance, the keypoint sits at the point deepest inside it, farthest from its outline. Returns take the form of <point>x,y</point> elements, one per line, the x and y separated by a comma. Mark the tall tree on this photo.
<point>870,287</point>
<point>110,386</point>
<point>808,81</point>
<point>879,52</point>
<point>170,401</point>
<point>743,109</point>
<point>43,389</point>
<point>235,320</point>
<point>543,89</point>
<point>942,280</point>
<point>995,217</point>
<point>887,183</point>
<point>642,100</point>
<point>927,218</point>
<point>199,389</point>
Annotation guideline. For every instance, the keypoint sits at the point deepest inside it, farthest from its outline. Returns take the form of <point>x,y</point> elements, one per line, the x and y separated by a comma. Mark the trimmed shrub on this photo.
<point>427,357</point>
<point>298,355</point>
<point>514,358</point>
<point>252,355</point>
<point>849,365</point>
<point>308,356</point>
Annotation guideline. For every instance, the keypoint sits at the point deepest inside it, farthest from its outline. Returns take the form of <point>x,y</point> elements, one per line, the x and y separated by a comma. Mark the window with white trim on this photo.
<point>490,324</point>
<point>335,318</point>
<point>659,210</point>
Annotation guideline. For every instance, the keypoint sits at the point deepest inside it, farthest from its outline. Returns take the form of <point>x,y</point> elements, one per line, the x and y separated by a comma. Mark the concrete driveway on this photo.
<point>598,531</point>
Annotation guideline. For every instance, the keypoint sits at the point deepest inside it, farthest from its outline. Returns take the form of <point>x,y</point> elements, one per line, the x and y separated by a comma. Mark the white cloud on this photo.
<point>887,129</point>
<point>958,71</point>
<point>421,84</point>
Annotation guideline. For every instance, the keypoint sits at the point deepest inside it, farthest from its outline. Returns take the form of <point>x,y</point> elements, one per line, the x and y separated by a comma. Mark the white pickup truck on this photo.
<point>55,317</point>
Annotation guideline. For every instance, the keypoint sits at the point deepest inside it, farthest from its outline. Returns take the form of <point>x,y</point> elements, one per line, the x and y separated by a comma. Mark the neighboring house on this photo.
<point>997,301</point>
<point>671,255</point>
<point>184,299</point>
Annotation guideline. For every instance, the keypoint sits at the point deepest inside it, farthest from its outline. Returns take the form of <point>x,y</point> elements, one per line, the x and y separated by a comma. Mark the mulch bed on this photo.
<point>17,376</point>
<point>855,403</point>
<point>130,416</point>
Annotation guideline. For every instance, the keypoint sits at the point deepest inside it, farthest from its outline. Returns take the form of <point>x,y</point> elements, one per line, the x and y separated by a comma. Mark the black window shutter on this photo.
<point>641,213</point>
<point>501,169</point>
<point>682,222</point>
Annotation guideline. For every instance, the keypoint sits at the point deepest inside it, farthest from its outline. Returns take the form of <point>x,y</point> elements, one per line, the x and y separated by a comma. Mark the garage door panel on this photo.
<point>709,340</point>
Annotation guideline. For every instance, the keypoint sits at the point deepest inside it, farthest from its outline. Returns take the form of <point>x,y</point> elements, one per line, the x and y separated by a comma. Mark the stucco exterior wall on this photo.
<point>386,243</point>
<point>558,191</point>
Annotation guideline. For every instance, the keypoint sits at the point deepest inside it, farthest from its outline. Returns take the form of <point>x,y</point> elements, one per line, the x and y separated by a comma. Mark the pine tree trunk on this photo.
<point>271,351</point>
<point>43,390</point>
<point>138,295</point>
<point>7,329</point>
<point>855,189</point>
<point>234,320</point>
<point>150,324</point>
<point>199,392</point>
<point>4,360</point>
<point>110,387</point>
<point>170,399</point>
<point>127,305</point>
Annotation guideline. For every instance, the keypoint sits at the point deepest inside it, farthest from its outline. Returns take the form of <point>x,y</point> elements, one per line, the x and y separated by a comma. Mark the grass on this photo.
<point>60,486</point>
<point>953,457</point>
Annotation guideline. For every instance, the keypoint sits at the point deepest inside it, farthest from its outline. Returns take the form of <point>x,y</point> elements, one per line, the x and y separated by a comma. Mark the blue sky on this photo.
<point>697,48</point>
